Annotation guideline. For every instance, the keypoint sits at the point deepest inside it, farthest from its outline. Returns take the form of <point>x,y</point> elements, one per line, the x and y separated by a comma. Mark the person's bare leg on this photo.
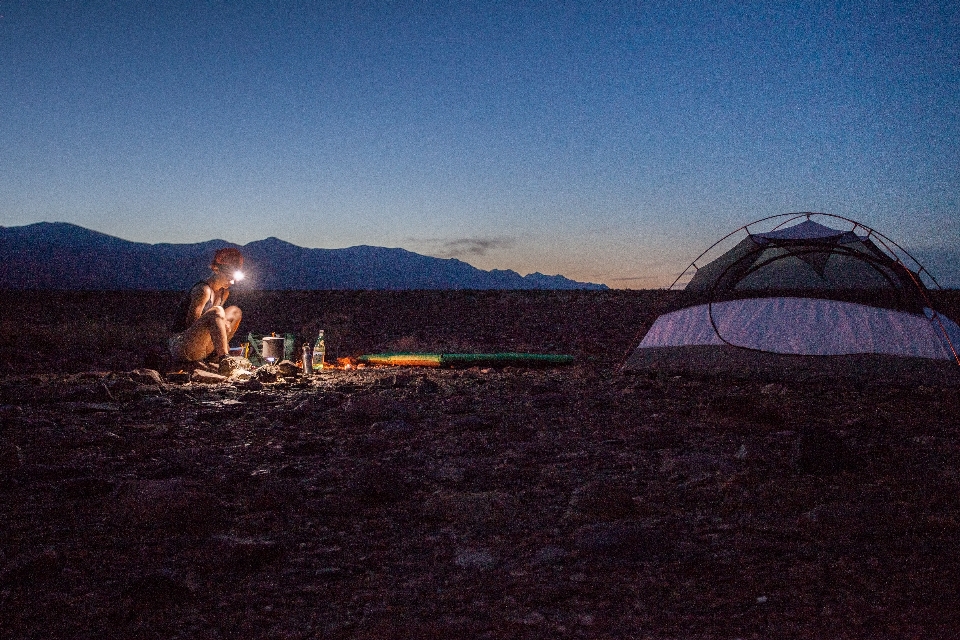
<point>207,335</point>
<point>219,331</point>
<point>233,316</point>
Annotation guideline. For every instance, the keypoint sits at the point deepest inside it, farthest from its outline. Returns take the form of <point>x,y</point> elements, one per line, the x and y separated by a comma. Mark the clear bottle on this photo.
<point>319,351</point>
<point>307,359</point>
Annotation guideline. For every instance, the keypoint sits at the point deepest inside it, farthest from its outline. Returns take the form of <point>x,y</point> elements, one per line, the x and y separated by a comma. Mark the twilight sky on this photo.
<point>607,141</point>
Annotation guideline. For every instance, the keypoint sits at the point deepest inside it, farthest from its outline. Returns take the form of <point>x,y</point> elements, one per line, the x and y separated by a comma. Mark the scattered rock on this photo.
<point>206,377</point>
<point>548,400</point>
<point>8,411</point>
<point>470,423</point>
<point>169,504</point>
<point>448,473</point>
<point>155,403</point>
<point>232,365</point>
<point>374,408</point>
<point>426,385</point>
<point>239,553</point>
<point>534,618</point>
<point>289,369</point>
<point>147,377</point>
<point>601,500</point>
<point>275,495</point>
<point>551,555</point>
<point>53,472</point>
<point>91,407</point>
<point>307,448</point>
<point>268,373</point>
<point>479,512</point>
<point>871,424</point>
<point>399,381</point>
<point>693,468</point>
<point>272,510</point>
<point>460,404</point>
<point>623,540</point>
<point>123,385</point>
<point>104,393</point>
<point>393,426</point>
<point>469,558</point>
<point>251,385</point>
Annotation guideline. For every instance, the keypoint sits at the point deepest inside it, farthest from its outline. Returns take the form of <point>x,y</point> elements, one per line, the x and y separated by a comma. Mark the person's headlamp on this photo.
<point>237,276</point>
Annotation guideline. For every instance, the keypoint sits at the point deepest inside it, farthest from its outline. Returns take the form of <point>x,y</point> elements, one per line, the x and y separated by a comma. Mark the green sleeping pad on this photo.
<point>466,359</point>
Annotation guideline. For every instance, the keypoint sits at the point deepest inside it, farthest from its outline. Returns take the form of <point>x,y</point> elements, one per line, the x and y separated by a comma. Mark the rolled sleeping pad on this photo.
<point>402,359</point>
<point>466,359</point>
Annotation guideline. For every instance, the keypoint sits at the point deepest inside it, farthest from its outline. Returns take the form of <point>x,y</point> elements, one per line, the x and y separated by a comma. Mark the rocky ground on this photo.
<point>421,503</point>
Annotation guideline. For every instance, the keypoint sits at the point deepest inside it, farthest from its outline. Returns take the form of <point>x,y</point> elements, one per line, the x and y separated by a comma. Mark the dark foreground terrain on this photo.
<point>477,503</point>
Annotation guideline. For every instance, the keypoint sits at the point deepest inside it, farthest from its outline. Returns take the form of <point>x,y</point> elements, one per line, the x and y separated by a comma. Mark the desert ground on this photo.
<point>386,502</point>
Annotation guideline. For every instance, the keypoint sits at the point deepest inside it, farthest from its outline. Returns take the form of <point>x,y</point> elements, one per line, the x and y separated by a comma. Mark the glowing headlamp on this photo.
<point>237,276</point>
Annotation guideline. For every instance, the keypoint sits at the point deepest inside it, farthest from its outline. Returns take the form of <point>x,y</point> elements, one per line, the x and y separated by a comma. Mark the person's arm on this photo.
<point>198,300</point>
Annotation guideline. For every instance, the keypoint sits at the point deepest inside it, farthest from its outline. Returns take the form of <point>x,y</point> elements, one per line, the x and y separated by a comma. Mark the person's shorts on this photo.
<point>175,345</point>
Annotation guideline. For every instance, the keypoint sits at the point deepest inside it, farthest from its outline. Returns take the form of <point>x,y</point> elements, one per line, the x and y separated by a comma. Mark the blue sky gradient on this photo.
<point>607,141</point>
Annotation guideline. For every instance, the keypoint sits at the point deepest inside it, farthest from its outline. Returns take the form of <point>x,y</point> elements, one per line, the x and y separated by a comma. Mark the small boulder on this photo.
<point>425,385</point>
<point>206,377</point>
<point>268,373</point>
<point>288,368</point>
<point>146,377</point>
<point>230,365</point>
<point>250,385</point>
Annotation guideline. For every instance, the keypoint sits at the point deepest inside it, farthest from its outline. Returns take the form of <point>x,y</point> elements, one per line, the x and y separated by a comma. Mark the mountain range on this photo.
<point>58,255</point>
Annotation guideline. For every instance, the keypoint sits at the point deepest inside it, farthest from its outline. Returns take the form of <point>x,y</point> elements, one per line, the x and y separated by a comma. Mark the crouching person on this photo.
<point>203,324</point>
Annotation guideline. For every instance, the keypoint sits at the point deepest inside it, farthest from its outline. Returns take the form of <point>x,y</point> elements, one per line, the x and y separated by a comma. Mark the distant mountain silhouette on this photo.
<point>58,255</point>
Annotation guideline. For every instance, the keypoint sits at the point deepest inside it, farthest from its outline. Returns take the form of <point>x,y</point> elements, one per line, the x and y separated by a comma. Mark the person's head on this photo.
<point>227,263</point>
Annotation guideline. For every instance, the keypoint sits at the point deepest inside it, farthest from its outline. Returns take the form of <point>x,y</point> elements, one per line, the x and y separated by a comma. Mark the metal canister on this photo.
<point>307,359</point>
<point>272,349</point>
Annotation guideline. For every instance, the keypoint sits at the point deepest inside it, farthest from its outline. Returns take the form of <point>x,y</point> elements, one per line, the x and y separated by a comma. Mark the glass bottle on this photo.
<point>319,351</point>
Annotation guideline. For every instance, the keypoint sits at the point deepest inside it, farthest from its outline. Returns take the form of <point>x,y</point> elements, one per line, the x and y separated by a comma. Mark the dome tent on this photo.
<point>804,287</point>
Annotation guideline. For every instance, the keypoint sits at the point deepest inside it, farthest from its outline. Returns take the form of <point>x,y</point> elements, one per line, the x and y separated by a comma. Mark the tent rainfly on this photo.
<point>809,289</point>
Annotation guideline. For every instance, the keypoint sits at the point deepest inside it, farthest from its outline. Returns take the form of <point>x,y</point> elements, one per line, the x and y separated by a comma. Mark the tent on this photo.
<point>804,287</point>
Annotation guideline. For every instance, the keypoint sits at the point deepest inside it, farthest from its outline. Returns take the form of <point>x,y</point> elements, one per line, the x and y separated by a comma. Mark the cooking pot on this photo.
<point>273,348</point>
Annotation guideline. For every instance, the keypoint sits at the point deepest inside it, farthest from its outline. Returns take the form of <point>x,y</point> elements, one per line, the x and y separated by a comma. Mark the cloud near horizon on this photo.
<point>470,247</point>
